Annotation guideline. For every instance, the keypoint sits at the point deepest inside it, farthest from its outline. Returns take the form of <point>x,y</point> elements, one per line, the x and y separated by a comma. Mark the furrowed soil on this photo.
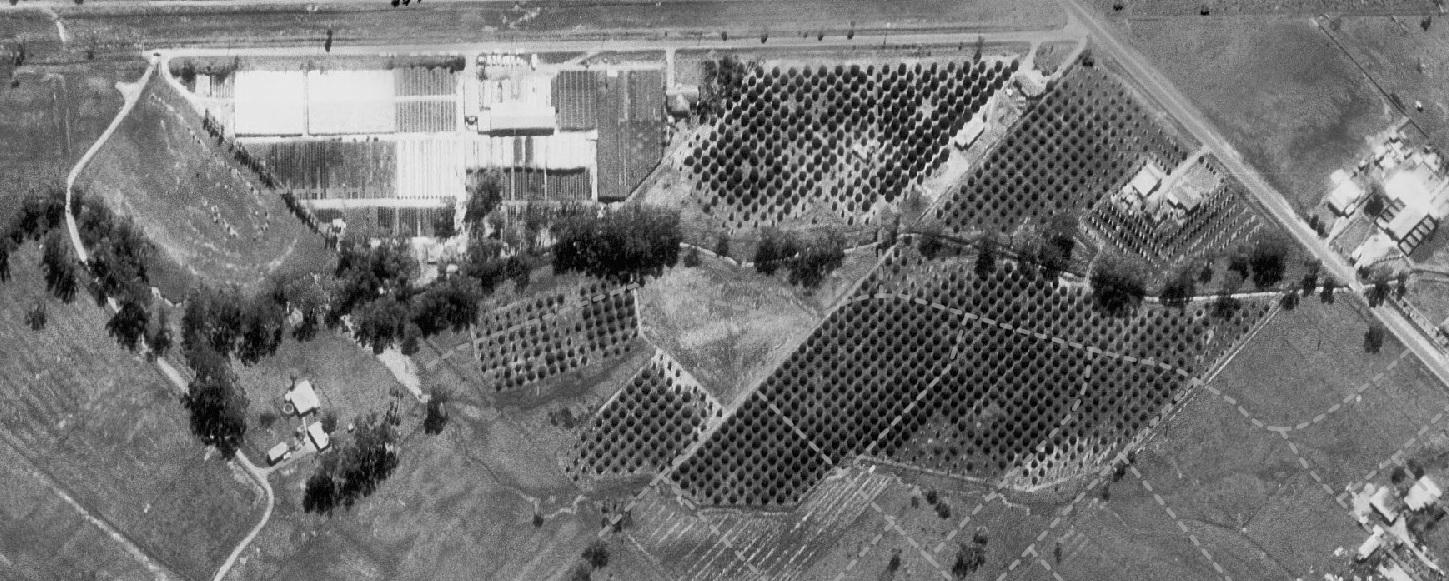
<point>105,426</point>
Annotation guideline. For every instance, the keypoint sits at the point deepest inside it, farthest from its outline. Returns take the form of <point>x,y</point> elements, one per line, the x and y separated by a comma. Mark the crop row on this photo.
<point>654,417</point>
<point>850,137</point>
<point>427,116</point>
<point>539,338</point>
<point>1069,150</point>
<point>424,81</point>
<point>316,169</point>
<point>1222,221</point>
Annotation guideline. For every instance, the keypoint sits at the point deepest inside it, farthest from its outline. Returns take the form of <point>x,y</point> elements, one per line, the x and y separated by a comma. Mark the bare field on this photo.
<point>1237,489</point>
<point>49,120</point>
<point>1324,344</point>
<point>1278,89</point>
<point>1406,61</point>
<point>731,326</point>
<point>161,169</point>
<point>105,425</point>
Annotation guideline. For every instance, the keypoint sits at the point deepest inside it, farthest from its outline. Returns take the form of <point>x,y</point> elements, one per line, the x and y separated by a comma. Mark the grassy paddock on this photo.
<point>109,428</point>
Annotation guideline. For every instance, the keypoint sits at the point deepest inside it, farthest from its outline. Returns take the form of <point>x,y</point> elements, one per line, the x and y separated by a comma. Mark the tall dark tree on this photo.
<point>776,249</point>
<point>1267,261</point>
<point>1178,291</point>
<point>626,244</point>
<point>128,325</point>
<point>217,405</point>
<point>722,246</point>
<point>1326,294</point>
<point>818,259</point>
<point>263,323</point>
<point>320,494</point>
<point>985,259</point>
<point>59,266</point>
<point>380,324</point>
<point>158,338</point>
<point>1373,339</point>
<point>437,412</point>
<point>36,316</point>
<point>485,194</point>
<point>6,246</point>
<point>448,304</point>
<point>1117,287</point>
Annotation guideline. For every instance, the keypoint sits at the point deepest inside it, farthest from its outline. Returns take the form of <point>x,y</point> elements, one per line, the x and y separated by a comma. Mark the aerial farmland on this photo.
<point>835,289</point>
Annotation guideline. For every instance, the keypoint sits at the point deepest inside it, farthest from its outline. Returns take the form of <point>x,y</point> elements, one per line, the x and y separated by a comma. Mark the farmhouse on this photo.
<point>1423,493</point>
<point>1343,199</point>
<point>278,453</point>
<point>302,398</point>
<point>318,436</point>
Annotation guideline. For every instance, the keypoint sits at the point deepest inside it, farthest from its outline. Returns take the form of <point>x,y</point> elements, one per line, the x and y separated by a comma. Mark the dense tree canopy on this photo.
<point>1117,287</point>
<point>355,468</point>
<point>217,405</point>
<point>623,244</point>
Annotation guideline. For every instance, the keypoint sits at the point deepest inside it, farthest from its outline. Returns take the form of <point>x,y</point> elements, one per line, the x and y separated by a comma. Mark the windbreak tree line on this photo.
<point>627,244</point>
<point>809,262</point>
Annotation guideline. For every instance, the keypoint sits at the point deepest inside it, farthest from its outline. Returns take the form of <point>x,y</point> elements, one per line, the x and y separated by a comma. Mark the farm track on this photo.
<point>132,96</point>
<point>1161,90</point>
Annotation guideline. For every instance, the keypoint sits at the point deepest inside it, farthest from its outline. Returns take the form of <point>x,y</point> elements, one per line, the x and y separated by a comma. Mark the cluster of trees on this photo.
<point>723,80</point>
<point>1117,287</point>
<point>485,194</point>
<point>217,404</point>
<point>628,243</point>
<point>358,466</point>
<point>809,262</point>
<point>970,556</point>
<point>594,557</point>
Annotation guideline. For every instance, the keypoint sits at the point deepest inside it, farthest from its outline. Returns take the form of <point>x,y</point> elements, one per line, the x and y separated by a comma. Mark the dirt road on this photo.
<point>132,95</point>
<point>1161,90</point>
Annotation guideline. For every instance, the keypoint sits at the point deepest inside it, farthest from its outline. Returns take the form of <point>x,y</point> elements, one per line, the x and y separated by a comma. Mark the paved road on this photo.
<point>1168,97</point>
<point>131,98</point>
<point>1069,31</point>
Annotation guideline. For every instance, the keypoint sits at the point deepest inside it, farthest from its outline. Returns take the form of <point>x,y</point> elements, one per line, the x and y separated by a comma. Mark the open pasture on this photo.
<point>208,217</point>
<point>108,428</point>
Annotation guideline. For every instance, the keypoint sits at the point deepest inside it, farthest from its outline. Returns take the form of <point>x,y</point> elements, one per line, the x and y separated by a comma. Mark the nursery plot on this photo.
<point>1007,377</point>
<point>425,82</point>
<point>631,131</point>
<point>1222,220</point>
<point>799,143</point>
<point>575,95</point>
<point>325,169</point>
<point>432,116</point>
<point>651,420</point>
<point>1082,141</point>
<point>555,333</point>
